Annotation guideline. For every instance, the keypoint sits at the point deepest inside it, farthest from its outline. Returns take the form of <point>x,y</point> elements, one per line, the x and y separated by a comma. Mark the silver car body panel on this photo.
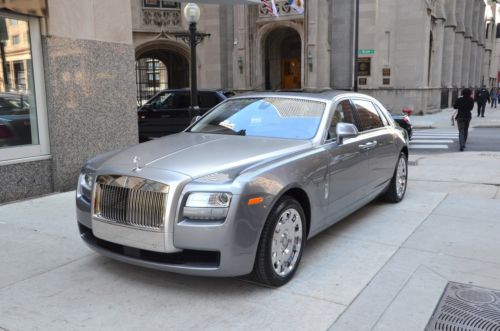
<point>335,179</point>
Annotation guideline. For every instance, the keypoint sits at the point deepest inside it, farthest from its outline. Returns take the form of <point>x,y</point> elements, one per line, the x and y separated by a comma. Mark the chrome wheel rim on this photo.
<point>287,242</point>
<point>401,177</point>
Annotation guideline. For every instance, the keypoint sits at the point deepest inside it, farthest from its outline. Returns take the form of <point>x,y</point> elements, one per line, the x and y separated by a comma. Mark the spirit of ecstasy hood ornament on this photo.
<point>136,161</point>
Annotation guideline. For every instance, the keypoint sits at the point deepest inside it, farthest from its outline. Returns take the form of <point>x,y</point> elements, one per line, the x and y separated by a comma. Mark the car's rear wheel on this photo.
<point>281,244</point>
<point>397,188</point>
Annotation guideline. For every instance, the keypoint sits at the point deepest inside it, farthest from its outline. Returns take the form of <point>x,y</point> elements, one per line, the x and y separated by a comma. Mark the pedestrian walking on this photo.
<point>482,96</point>
<point>494,96</point>
<point>463,107</point>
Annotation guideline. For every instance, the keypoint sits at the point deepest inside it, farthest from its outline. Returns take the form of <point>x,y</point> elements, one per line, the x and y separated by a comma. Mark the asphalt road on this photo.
<point>446,141</point>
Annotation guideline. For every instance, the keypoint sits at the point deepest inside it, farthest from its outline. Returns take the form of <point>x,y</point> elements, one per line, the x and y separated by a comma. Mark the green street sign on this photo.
<point>366,51</point>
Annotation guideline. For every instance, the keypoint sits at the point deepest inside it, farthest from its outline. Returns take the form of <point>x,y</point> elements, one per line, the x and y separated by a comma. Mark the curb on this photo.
<point>425,126</point>
<point>486,126</point>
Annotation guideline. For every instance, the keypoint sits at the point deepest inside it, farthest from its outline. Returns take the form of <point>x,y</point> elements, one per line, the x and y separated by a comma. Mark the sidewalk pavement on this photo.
<point>442,119</point>
<point>382,268</point>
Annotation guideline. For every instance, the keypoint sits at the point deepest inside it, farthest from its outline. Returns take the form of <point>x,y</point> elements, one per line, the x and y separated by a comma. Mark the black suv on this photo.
<point>168,111</point>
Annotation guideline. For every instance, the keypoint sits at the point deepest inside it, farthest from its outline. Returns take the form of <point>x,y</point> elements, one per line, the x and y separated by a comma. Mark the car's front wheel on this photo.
<point>281,244</point>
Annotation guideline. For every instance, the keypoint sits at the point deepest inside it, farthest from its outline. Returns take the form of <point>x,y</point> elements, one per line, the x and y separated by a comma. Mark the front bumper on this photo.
<point>219,250</point>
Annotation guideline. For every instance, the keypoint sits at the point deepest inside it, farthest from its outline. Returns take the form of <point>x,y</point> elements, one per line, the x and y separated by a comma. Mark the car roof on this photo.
<point>325,95</point>
<point>187,90</point>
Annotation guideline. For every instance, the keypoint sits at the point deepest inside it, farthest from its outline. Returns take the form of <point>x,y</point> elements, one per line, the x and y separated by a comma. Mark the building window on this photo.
<point>15,39</point>
<point>488,30</point>
<point>498,31</point>
<point>161,4</point>
<point>23,126</point>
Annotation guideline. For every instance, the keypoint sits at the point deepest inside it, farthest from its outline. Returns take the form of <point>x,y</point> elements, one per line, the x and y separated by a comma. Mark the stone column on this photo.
<point>341,56</point>
<point>459,43</point>
<point>474,47</point>
<point>449,44</point>
<point>437,57</point>
<point>467,43</point>
<point>480,57</point>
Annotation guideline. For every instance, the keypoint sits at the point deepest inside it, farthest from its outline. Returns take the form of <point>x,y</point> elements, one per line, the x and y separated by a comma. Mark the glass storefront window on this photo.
<point>18,109</point>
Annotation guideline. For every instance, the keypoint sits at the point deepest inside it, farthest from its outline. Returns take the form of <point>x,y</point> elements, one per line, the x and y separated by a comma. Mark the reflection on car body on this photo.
<point>15,125</point>
<point>241,190</point>
<point>168,111</point>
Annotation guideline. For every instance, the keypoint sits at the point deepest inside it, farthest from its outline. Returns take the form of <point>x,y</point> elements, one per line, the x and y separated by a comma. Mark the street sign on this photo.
<point>366,52</point>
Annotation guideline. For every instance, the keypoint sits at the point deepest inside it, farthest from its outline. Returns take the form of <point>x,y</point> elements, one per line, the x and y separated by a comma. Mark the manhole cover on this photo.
<point>466,308</point>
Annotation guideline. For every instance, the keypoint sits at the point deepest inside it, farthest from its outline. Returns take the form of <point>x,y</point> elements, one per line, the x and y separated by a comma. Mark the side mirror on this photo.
<point>147,106</point>
<point>195,119</point>
<point>346,130</point>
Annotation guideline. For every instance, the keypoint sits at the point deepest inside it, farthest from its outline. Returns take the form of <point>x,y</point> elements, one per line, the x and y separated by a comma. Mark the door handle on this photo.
<point>368,146</point>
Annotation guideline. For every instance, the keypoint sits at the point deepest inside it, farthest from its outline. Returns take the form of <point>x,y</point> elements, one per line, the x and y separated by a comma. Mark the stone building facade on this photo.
<point>413,54</point>
<point>248,48</point>
<point>426,51</point>
<point>67,90</point>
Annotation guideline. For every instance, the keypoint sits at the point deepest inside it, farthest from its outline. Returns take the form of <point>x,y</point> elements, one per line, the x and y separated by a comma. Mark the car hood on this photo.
<point>197,154</point>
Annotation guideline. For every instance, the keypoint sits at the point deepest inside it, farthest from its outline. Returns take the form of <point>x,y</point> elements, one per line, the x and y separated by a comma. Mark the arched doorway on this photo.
<point>159,67</point>
<point>283,60</point>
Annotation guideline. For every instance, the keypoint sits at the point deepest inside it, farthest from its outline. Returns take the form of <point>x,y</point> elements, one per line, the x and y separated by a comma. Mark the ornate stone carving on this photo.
<point>161,18</point>
<point>283,7</point>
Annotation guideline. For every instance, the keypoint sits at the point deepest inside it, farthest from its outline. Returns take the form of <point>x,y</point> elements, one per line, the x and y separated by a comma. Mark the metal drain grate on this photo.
<point>466,308</point>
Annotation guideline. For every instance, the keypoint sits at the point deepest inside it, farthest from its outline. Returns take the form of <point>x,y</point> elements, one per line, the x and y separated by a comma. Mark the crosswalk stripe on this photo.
<point>428,146</point>
<point>431,141</point>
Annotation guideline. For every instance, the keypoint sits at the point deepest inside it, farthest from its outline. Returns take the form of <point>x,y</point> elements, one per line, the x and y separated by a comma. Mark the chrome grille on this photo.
<point>131,201</point>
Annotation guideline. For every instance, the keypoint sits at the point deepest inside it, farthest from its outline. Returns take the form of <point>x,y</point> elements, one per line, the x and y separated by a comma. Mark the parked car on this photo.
<point>404,121</point>
<point>15,125</point>
<point>243,188</point>
<point>168,111</point>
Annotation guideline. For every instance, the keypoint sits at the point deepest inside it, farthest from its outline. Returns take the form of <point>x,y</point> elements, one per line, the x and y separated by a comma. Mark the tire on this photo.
<point>397,187</point>
<point>268,268</point>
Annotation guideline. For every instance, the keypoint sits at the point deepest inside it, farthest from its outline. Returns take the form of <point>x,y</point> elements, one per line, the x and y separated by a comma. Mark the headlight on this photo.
<point>85,185</point>
<point>207,206</point>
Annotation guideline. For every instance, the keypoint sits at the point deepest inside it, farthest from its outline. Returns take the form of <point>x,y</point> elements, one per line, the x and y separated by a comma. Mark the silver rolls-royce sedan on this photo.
<point>242,189</point>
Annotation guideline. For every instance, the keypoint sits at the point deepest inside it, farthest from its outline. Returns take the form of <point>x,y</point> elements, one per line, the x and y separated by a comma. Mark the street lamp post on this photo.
<point>192,16</point>
<point>356,47</point>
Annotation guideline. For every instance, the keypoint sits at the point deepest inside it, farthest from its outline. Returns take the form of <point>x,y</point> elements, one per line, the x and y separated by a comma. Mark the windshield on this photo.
<point>264,117</point>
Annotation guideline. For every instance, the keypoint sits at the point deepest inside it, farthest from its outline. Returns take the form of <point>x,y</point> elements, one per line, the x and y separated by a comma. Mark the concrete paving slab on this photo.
<point>382,291</point>
<point>366,310</point>
<point>25,253</point>
<point>472,208</point>
<point>471,238</point>
<point>100,294</point>
<point>53,214</point>
<point>340,268</point>
<point>379,223</point>
<point>459,167</point>
<point>455,188</point>
<point>414,304</point>
<point>415,201</point>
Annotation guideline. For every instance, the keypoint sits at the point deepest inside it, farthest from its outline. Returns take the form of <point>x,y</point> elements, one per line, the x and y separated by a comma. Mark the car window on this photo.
<point>382,115</point>
<point>368,117</point>
<point>342,114</point>
<point>181,101</point>
<point>161,100</point>
<point>208,100</point>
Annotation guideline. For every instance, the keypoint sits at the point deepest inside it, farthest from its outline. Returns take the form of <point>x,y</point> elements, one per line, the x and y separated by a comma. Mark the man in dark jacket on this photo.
<point>482,96</point>
<point>462,114</point>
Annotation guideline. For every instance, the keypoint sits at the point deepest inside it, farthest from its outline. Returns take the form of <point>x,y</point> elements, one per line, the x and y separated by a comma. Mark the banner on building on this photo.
<point>271,7</point>
<point>297,5</point>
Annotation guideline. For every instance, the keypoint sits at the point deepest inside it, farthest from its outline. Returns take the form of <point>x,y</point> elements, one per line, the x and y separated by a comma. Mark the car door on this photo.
<point>380,144</point>
<point>347,165</point>
<point>168,113</point>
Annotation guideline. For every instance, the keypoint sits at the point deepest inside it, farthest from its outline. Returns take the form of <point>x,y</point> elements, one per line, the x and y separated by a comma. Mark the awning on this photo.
<point>26,7</point>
